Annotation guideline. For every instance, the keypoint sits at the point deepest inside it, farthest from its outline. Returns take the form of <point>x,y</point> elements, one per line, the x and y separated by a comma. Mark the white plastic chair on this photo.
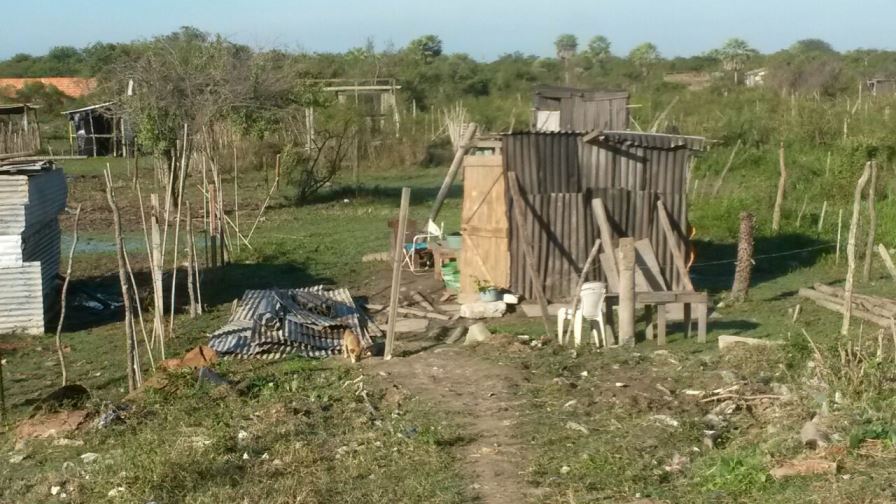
<point>432,231</point>
<point>578,318</point>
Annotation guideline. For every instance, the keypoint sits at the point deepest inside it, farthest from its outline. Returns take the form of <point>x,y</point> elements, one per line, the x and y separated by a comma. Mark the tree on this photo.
<point>599,48</point>
<point>811,46</point>
<point>426,48</point>
<point>566,46</point>
<point>734,54</point>
<point>644,56</point>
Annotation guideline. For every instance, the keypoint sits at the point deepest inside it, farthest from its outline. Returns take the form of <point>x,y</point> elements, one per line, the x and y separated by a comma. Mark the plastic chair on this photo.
<point>421,242</point>
<point>578,318</point>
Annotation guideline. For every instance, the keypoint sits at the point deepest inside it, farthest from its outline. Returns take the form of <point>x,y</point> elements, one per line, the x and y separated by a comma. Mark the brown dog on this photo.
<point>351,346</point>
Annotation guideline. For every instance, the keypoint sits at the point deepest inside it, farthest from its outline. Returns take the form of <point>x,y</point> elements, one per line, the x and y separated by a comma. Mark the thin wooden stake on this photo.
<point>779,198</point>
<point>263,206</point>
<point>236,198</point>
<point>3,417</point>
<point>872,223</point>
<point>715,190</point>
<point>156,265</point>
<point>851,249</point>
<point>125,288</point>
<point>68,276</point>
<point>396,270</point>
<point>839,233</point>
<point>824,208</point>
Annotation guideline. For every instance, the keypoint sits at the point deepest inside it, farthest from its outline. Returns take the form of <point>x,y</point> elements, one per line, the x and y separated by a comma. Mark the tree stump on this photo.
<point>744,268</point>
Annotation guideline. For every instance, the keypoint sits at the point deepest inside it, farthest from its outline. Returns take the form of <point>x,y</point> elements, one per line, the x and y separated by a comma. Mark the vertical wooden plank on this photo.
<point>661,325</point>
<point>626,263</point>
<point>396,270</point>
<point>702,315</point>
<point>677,253</point>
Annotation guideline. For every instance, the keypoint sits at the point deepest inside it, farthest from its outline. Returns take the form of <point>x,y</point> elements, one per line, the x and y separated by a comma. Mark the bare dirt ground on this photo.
<point>485,396</point>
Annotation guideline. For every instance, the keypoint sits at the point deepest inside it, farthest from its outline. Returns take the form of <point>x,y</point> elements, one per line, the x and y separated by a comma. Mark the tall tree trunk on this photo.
<point>744,269</point>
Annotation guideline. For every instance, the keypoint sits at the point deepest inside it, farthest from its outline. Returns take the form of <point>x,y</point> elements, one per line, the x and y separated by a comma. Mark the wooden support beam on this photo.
<point>462,149</point>
<point>608,259</point>
<point>674,245</point>
<point>888,261</point>
<point>851,248</point>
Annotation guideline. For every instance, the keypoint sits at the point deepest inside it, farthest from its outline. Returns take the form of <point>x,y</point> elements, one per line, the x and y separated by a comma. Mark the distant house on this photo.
<point>882,86</point>
<point>75,87</point>
<point>755,78</point>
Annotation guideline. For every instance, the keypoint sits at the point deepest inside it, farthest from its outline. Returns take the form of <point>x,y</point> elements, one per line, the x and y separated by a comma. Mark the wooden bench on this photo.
<point>696,304</point>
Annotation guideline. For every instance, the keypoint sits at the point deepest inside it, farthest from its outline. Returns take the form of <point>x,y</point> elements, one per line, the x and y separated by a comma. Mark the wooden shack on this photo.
<point>32,195</point>
<point>19,129</point>
<point>97,131</point>
<point>570,109</point>
<point>577,188</point>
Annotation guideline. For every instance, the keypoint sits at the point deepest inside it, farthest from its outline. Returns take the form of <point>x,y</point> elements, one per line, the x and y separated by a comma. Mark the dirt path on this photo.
<point>482,395</point>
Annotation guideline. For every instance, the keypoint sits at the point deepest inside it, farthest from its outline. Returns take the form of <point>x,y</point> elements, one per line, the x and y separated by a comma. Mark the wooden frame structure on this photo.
<point>98,130</point>
<point>19,135</point>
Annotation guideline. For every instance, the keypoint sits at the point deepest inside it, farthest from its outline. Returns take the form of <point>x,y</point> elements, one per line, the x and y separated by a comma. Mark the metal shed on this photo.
<point>31,198</point>
<point>570,109</point>
<point>561,174</point>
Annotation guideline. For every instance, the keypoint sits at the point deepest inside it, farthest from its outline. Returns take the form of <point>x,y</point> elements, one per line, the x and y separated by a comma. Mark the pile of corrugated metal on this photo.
<point>274,323</point>
<point>32,196</point>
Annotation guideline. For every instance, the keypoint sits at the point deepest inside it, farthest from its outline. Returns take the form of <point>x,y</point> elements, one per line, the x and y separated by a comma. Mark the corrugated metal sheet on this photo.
<point>21,302</point>
<point>30,202</point>
<point>629,174</point>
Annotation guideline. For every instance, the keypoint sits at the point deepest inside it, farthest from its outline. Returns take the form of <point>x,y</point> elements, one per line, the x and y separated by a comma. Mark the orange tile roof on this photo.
<point>75,87</point>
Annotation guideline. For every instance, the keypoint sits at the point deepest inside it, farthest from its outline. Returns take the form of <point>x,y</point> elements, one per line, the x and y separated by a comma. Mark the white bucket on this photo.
<point>592,295</point>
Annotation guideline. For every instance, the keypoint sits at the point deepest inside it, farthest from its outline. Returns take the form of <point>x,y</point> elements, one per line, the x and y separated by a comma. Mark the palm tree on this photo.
<point>566,46</point>
<point>734,54</point>
<point>599,49</point>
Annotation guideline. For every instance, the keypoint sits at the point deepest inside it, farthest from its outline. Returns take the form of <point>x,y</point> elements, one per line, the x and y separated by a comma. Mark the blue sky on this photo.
<point>483,29</point>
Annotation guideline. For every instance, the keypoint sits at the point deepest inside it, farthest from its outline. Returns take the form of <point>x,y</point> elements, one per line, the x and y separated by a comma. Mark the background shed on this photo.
<point>19,129</point>
<point>31,198</point>
<point>570,109</point>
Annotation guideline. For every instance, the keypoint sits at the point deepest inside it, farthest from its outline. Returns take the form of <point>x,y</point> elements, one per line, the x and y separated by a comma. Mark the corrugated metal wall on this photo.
<point>628,178</point>
<point>29,247</point>
<point>586,111</point>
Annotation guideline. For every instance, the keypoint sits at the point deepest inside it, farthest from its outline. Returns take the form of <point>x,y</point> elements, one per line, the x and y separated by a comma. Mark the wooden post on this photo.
<point>851,249</point>
<point>213,223</point>
<point>180,196</point>
<point>872,224</point>
<point>396,270</point>
<point>779,198</point>
<point>824,208</point>
<point>277,172</point>
<point>68,276</point>
<point>196,272</point>
<point>744,269</point>
<point>839,233</point>
<point>236,198</point>
<point>606,235</point>
<point>888,261</point>
<point>462,149</point>
<point>125,288</point>
<point>529,255</point>
<point>190,277</point>
<point>156,266</point>
<point>715,190</point>
<point>799,216</point>
<point>625,259</point>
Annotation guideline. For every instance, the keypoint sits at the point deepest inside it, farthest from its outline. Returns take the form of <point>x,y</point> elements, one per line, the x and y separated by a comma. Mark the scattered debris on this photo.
<point>726,341</point>
<point>114,414</point>
<point>51,424</point>
<point>813,436</point>
<point>876,309</point>
<point>17,458</point>
<point>67,442</point>
<point>578,427</point>
<point>477,332</point>
<point>456,334</point>
<point>481,310</point>
<point>565,470</point>
<point>677,464</point>
<point>414,325</point>
<point>199,357</point>
<point>710,437</point>
<point>89,457</point>
<point>804,467</point>
<point>570,404</point>
<point>209,376</point>
<point>376,256</point>
<point>665,420</point>
<point>511,299</point>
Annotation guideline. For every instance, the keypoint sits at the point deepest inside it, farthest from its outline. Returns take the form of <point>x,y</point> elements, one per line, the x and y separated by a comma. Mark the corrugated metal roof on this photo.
<point>648,140</point>
<point>89,108</point>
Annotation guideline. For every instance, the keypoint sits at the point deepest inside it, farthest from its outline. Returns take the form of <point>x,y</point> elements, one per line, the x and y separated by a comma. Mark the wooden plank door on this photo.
<point>485,253</point>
